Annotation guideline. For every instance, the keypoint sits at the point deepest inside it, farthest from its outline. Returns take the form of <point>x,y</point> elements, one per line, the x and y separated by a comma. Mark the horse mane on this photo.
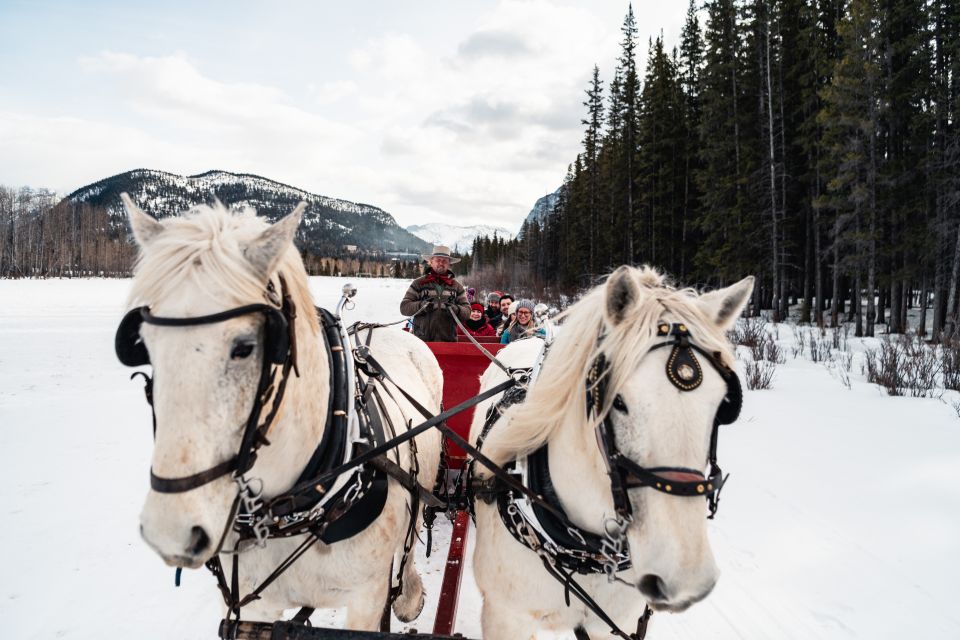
<point>204,248</point>
<point>558,397</point>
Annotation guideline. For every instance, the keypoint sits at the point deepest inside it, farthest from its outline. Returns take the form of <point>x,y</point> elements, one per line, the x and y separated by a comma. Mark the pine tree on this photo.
<point>689,69</point>
<point>905,136</point>
<point>591,150</point>
<point>660,161</point>
<point>726,240</point>
<point>623,156</point>
<point>850,120</point>
<point>945,180</point>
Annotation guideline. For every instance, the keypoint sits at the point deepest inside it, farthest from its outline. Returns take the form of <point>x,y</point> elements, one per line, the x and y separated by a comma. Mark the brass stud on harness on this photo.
<point>710,486</point>
<point>699,488</point>
<point>669,488</point>
<point>339,412</point>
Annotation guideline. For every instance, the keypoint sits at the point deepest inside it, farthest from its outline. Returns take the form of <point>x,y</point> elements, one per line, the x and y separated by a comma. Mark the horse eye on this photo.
<point>241,350</point>
<point>619,404</point>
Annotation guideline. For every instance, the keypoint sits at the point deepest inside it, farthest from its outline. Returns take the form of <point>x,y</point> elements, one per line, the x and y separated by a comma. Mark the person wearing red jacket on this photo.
<point>477,325</point>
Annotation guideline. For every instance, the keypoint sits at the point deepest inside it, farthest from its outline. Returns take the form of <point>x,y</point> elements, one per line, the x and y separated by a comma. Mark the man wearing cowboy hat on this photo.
<point>433,296</point>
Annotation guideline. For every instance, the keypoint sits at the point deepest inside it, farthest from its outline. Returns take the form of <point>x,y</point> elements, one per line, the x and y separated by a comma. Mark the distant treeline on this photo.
<point>812,143</point>
<point>44,237</point>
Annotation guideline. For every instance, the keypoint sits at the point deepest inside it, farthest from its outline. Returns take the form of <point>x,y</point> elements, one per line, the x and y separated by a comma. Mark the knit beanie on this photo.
<point>493,297</point>
<point>476,306</point>
<point>524,303</point>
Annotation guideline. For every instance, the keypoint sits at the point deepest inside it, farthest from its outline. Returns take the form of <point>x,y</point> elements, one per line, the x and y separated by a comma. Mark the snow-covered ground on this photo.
<point>841,518</point>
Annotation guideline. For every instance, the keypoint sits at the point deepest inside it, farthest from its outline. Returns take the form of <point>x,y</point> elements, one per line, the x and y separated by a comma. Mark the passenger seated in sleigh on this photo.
<point>477,325</point>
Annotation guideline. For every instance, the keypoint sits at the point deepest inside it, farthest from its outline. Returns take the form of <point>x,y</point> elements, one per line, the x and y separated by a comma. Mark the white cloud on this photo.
<point>331,92</point>
<point>472,126</point>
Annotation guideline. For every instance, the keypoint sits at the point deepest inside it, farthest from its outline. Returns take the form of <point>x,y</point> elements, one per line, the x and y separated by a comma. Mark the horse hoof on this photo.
<point>403,613</point>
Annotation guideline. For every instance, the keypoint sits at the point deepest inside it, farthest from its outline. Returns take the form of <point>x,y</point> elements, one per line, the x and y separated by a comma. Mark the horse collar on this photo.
<point>332,510</point>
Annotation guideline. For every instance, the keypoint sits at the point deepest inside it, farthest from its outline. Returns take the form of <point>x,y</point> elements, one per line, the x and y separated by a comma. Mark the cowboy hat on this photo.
<point>440,251</point>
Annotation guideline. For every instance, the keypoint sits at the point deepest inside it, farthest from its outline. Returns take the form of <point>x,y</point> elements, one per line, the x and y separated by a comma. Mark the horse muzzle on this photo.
<point>196,548</point>
<point>181,536</point>
<point>662,596</point>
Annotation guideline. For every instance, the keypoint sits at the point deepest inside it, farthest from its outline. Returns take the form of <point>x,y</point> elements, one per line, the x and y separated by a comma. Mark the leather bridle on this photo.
<point>684,371</point>
<point>279,348</point>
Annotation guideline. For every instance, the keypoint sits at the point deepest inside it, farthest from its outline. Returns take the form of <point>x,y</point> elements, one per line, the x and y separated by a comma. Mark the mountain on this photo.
<point>459,239</point>
<point>328,223</point>
<point>543,207</point>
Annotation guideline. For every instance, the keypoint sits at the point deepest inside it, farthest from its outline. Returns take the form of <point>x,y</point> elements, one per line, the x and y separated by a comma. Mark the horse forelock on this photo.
<point>203,248</point>
<point>559,395</point>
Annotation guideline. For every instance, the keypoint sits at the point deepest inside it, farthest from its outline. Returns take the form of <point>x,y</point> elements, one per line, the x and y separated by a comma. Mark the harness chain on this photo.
<point>504,477</point>
<point>373,456</point>
<point>624,475</point>
<point>553,557</point>
<point>501,484</point>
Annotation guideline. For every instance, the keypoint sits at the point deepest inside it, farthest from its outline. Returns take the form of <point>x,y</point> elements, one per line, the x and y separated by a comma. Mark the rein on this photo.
<point>280,349</point>
<point>293,512</point>
<point>571,550</point>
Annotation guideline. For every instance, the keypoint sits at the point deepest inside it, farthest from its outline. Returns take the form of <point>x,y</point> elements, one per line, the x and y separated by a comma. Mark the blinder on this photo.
<point>279,348</point>
<point>132,352</point>
<point>684,372</point>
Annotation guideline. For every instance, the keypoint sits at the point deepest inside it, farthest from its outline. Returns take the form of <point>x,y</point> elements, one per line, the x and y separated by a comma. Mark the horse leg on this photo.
<point>409,603</point>
<point>365,606</point>
<point>502,623</point>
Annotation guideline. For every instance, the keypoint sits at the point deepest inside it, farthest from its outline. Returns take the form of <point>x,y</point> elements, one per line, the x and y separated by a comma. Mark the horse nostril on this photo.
<point>653,587</point>
<point>199,540</point>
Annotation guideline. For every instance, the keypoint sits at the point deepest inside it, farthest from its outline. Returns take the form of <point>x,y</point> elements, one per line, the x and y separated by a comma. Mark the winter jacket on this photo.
<point>493,317</point>
<point>428,298</point>
<point>483,330</point>
<point>518,332</point>
<point>505,323</point>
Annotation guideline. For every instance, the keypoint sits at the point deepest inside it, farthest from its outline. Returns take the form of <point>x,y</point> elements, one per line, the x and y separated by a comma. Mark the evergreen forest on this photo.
<point>811,143</point>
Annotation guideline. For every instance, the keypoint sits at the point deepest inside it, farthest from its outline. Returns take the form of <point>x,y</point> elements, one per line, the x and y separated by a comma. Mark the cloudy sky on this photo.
<point>450,111</point>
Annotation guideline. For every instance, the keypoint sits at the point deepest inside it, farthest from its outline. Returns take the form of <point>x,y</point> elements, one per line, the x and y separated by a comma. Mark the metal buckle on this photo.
<point>253,504</point>
<point>360,353</point>
<point>613,544</point>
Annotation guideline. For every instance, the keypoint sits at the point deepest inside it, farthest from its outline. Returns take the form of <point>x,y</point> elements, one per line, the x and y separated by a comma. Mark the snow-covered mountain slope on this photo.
<point>543,207</point>
<point>328,223</point>
<point>459,239</point>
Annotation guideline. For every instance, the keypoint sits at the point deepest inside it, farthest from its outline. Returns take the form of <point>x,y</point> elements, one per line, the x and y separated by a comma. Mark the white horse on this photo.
<point>655,425</point>
<point>205,378</point>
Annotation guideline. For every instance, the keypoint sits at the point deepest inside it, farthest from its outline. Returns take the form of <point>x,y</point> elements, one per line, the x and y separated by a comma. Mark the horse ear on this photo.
<point>265,251</point>
<point>724,306</point>
<point>145,228</point>
<point>621,293</point>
